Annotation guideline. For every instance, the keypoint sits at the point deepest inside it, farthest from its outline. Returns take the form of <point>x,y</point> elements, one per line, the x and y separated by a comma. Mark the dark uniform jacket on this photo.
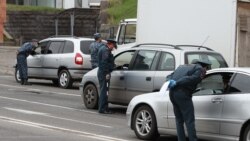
<point>105,60</point>
<point>187,77</point>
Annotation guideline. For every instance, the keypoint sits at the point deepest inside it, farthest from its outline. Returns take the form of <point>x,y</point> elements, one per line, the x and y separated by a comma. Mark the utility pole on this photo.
<point>2,17</point>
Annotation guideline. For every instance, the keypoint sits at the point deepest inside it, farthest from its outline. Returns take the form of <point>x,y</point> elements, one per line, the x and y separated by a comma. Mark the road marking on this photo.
<point>39,90</point>
<point>68,108</point>
<point>48,115</point>
<point>46,126</point>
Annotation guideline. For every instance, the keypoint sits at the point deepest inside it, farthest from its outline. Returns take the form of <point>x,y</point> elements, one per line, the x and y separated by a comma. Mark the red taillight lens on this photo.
<point>78,59</point>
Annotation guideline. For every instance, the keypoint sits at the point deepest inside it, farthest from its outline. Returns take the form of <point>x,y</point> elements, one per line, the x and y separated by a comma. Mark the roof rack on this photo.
<point>58,36</point>
<point>169,45</point>
<point>199,47</point>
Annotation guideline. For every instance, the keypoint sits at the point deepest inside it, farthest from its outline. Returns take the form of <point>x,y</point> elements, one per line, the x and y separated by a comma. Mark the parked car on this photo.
<point>143,68</point>
<point>221,113</point>
<point>60,59</point>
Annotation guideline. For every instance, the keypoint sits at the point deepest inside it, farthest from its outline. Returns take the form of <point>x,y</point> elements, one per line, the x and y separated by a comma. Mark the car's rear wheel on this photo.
<point>17,76</point>
<point>144,123</point>
<point>246,135</point>
<point>90,97</point>
<point>65,80</point>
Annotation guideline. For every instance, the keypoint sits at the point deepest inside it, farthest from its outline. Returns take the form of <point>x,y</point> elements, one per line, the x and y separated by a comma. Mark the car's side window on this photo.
<point>123,60</point>
<point>68,47</point>
<point>167,62</point>
<point>84,46</point>
<point>240,84</point>
<point>144,60</point>
<point>54,47</point>
<point>214,84</point>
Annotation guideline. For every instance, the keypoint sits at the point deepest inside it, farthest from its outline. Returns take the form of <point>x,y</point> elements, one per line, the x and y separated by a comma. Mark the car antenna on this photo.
<point>203,42</point>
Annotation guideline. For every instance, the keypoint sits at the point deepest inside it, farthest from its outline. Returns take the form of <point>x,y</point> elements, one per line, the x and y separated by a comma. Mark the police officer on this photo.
<point>106,65</point>
<point>22,53</point>
<point>94,49</point>
<point>182,83</point>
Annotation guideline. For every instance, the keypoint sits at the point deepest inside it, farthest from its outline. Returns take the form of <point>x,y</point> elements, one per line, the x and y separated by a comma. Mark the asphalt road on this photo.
<point>44,112</point>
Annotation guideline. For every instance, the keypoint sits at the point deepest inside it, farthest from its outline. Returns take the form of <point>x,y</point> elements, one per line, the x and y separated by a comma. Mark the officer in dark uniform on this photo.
<point>182,83</point>
<point>106,65</point>
<point>22,53</point>
<point>93,48</point>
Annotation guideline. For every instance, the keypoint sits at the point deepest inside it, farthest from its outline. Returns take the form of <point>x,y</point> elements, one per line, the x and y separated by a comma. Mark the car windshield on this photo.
<point>217,61</point>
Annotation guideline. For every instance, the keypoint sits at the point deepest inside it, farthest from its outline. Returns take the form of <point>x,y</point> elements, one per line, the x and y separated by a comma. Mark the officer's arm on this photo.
<point>105,61</point>
<point>194,78</point>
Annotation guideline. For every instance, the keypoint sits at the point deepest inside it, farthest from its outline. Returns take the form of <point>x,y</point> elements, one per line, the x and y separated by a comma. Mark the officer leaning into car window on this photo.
<point>22,53</point>
<point>182,83</point>
<point>106,65</point>
<point>93,48</point>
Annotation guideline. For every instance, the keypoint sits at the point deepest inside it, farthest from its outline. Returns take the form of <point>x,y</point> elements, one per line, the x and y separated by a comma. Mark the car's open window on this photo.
<point>123,60</point>
<point>213,84</point>
<point>144,60</point>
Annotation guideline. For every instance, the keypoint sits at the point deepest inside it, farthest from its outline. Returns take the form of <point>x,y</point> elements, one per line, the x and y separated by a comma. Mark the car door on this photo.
<point>34,63</point>
<point>139,79</point>
<point>208,103</point>
<point>117,90</point>
<point>236,105</point>
<point>51,59</point>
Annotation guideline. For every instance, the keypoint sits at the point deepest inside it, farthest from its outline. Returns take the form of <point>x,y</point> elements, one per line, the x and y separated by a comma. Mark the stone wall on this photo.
<point>24,26</point>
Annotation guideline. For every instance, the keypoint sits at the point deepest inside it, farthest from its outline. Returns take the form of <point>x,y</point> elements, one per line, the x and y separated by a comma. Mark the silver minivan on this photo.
<point>60,59</point>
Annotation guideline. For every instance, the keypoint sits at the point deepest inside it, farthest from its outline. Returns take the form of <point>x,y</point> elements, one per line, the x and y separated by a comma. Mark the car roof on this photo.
<point>166,47</point>
<point>231,69</point>
<point>70,38</point>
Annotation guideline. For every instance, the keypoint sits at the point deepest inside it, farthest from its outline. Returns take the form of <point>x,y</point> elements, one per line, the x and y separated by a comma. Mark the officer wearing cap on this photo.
<point>22,53</point>
<point>182,83</point>
<point>106,65</point>
<point>93,48</point>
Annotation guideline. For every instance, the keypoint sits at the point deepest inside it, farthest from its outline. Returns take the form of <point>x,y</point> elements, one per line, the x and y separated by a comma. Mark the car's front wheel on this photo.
<point>144,123</point>
<point>90,97</point>
<point>246,135</point>
<point>17,76</point>
<point>65,80</point>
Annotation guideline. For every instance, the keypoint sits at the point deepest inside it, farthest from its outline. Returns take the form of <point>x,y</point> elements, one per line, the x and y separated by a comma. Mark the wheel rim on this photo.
<point>248,136</point>
<point>143,122</point>
<point>90,96</point>
<point>63,79</point>
<point>18,76</point>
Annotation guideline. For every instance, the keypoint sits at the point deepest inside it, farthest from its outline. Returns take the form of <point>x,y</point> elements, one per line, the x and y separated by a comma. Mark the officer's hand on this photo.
<point>107,76</point>
<point>172,84</point>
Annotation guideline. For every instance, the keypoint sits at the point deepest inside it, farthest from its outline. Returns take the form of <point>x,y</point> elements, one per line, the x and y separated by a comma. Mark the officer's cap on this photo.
<point>97,36</point>
<point>112,41</point>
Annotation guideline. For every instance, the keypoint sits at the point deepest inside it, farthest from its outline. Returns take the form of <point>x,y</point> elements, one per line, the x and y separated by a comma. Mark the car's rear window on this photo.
<point>85,46</point>
<point>216,59</point>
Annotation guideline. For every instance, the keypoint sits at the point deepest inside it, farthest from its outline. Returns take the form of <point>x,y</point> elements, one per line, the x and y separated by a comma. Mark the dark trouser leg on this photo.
<point>178,119</point>
<point>186,109</point>
<point>20,62</point>
<point>103,100</point>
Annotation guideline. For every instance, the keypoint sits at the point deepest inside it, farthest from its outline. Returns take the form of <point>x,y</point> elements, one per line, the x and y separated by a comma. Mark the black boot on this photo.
<point>22,82</point>
<point>26,83</point>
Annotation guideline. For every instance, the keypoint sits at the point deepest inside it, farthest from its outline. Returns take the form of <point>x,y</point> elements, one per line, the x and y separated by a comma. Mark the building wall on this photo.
<point>243,43</point>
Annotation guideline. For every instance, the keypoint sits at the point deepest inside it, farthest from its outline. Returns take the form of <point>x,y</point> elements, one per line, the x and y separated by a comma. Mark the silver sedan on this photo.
<point>221,103</point>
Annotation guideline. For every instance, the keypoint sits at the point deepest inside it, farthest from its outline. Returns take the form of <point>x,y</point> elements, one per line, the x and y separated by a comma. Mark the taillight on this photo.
<point>78,59</point>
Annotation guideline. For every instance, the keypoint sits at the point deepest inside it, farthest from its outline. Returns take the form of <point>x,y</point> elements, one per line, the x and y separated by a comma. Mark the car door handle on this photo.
<point>217,100</point>
<point>122,78</point>
<point>148,78</point>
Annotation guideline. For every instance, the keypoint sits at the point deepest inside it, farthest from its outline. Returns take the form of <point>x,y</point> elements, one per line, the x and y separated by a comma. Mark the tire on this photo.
<point>246,135</point>
<point>65,80</point>
<point>17,76</point>
<point>144,123</point>
<point>90,96</point>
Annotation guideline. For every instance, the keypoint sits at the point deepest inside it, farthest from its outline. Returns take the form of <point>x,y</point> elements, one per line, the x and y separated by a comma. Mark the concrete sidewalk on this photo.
<point>8,59</point>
